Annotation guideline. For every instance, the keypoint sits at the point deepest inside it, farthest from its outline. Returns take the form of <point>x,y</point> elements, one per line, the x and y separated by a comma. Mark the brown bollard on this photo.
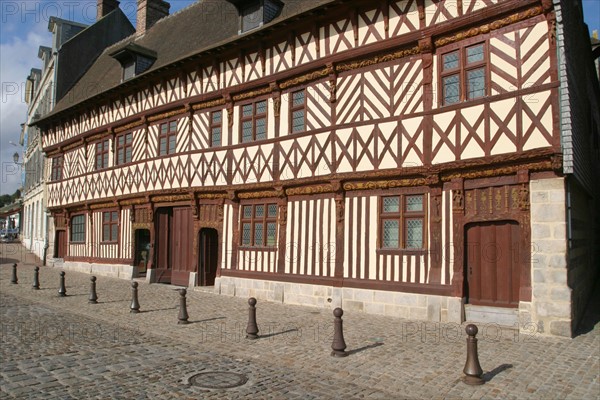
<point>62,290</point>
<point>252,328</point>
<point>183,314</point>
<point>135,304</point>
<point>14,279</point>
<point>93,299</point>
<point>36,278</point>
<point>472,368</point>
<point>338,345</point>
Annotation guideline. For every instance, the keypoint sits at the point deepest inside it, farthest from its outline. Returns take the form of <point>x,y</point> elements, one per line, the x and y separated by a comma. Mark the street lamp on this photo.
<point>16,158</point>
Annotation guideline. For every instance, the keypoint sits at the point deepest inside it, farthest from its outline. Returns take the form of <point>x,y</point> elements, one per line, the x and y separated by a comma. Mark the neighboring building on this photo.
<point>74,47</point>
<point>393,157</point>
<point>10,221</point>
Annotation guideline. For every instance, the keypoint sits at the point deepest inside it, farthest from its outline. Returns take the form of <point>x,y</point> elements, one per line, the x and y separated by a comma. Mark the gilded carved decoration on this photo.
<point>486,28</point>
<point>491,172</point>
<point>208,104</point>
<point>308,190</point>
<point>253,93</point>
<point>130,202</point>
<point>524,197</point>
<point>212,196</point>
<point>457,200</point>
<point>283,215</point>
<point>259,195</point>
<point>131,125</point>
<point>170,198</point>
<point>166,115</point>
<point>377,59</point>
<point>101,205</point>
<point>230,116</point>
<point>332,91</point>
<point>491,202</point>
<point>306,78</point>
<point>384,184</point>
<point>276,105</point>
<point>92,138</point>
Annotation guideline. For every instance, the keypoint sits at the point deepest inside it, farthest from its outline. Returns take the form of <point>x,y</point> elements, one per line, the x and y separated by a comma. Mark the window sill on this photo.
<point>257,248</point>
<point>401,252</point>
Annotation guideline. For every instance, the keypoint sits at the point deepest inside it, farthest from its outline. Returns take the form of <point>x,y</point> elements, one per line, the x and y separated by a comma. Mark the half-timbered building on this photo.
<point>399,157</point>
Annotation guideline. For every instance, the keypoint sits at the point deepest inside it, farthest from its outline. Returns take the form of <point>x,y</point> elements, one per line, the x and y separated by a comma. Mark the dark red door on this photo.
<point>163,224</point>
<point>182,243</point>
<point>60,244</point>
<point>492,264</point>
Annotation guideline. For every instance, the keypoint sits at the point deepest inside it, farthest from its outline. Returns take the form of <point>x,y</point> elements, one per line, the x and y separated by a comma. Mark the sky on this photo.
<point>24,27</point>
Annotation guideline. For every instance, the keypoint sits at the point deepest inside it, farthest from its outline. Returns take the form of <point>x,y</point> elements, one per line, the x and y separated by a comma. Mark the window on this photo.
<point>253,121</point>
<point>298,111</point>
<point>167,138</point>
<point>463,73</point>
<point>124,148</point>
<point>57,168</point>
<point>110,226</point>
<point>254,14</point>
<point>251,16</point>
<point>259,225</point>
<point>216,123</point>
<point>78,228</point>
<point>102,154</point>
<point>402,222</point>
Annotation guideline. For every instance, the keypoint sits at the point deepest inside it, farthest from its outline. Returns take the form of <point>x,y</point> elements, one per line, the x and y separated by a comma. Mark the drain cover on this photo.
<point>218,380</point>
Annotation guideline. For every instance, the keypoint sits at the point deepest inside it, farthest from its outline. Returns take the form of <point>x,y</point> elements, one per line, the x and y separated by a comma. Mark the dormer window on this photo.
<point>251,16</point>
<point>254,14</point>
<point>134,59</point>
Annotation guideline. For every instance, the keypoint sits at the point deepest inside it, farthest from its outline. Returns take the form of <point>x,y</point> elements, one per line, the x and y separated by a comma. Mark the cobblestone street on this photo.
<point>61,348</point>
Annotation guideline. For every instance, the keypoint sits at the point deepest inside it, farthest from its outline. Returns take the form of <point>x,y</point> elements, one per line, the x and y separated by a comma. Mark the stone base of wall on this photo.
<point>113,270</point>
<point>36,247</point>
<point>403,305</point>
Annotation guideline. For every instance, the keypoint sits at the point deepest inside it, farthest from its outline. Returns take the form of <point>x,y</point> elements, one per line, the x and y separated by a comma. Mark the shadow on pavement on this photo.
<point>488,376</point>
<point>370,346</point>
<point>205,320</point>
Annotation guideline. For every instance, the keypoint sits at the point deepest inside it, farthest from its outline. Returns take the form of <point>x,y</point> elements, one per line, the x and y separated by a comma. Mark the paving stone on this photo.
<point>77,351</point>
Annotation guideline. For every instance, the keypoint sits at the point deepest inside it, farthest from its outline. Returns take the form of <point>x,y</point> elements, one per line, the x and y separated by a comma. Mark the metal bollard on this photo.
<point>36,278</point>
<point>183,314</point>
<point>93,299</point>
<point>62,290</point>
<point>14,279</point>
<point>338,345</point>
<point>472,368</point>
<point>252,328</point>
<point>135,304</point>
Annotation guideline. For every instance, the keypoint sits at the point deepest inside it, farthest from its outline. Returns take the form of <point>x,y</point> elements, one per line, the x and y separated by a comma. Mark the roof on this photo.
<point>204,25</point>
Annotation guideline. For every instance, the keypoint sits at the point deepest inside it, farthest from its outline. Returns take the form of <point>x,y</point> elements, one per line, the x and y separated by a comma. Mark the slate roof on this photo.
<point>201,26</point>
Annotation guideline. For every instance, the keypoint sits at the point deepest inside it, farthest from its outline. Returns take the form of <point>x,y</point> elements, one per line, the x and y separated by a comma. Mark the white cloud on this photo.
<point>18,54</point>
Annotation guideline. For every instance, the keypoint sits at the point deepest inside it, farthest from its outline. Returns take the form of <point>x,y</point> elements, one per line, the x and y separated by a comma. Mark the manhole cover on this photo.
<point>218,380</point>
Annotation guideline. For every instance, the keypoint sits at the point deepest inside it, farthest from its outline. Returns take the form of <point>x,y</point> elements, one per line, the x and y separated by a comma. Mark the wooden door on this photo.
<point>60,244</point>
<point>492,271</point>
<point>163,222</point>
<point>208,243</point>
<point>182,242</point>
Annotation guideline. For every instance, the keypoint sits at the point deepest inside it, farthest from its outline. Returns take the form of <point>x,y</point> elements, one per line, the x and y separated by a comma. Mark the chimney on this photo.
<point>104,7</point>
<point>149,12</point>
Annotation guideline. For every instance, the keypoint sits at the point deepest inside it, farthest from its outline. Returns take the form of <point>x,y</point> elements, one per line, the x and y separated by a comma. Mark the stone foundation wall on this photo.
<point>113,270</point>
<point>402,305</point>
<point>551,296</point>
